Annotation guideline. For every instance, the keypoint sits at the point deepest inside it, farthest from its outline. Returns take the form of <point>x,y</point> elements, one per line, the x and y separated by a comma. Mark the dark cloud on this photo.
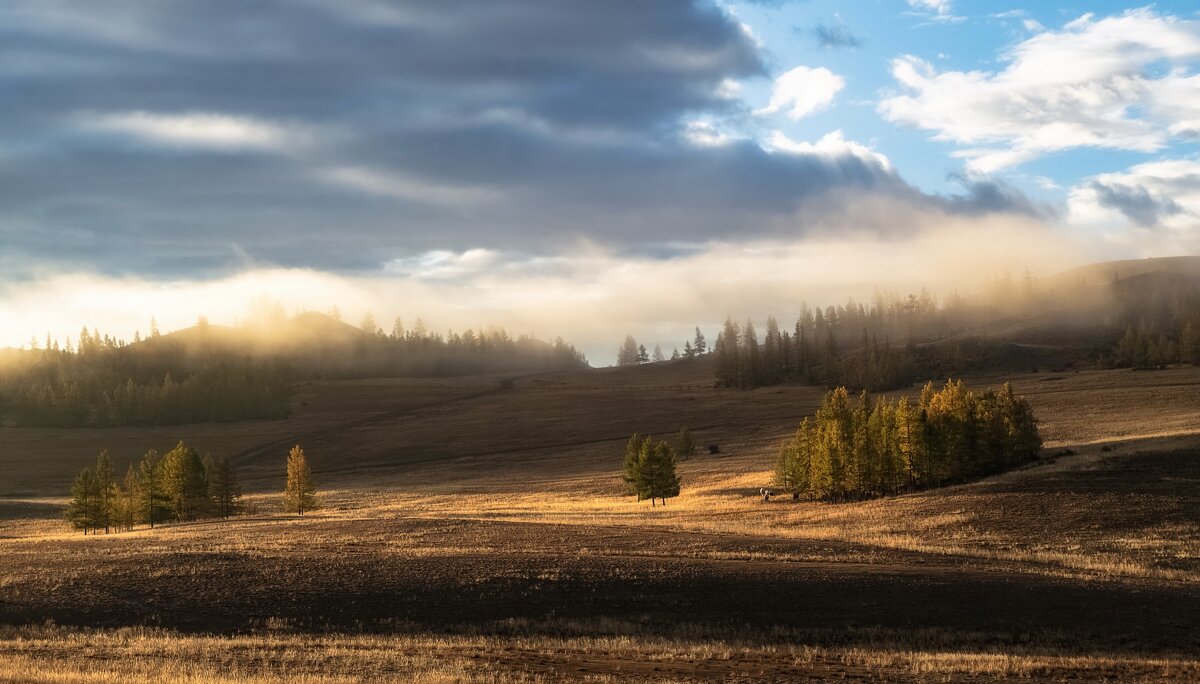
<point>835,37</point>
<point>346,134</point>
<point>1136,203</point>
<point>989,196</point>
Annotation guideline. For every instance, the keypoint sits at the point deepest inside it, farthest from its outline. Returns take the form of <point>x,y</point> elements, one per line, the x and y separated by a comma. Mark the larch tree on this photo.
<point>299,494</point>
<point>81,511</point>
<point>129,499</point>
<point>186,484</point>
<point>107,492</point>
<point>153,503</point>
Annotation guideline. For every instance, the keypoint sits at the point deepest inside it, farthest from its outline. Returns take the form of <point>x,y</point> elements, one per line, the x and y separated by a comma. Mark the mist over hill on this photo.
<point>219,373</point>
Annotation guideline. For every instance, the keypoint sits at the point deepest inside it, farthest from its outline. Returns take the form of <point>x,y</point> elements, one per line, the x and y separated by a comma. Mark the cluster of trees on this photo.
<point>631,353</point>
<point>179,485</point>
<point>175,487</point>
<point>649,467</point>
<point>862,448</point>
<point>1146,348</point>
<point>106,382</point>
<point>1158,318</point>
<point>809,353</point>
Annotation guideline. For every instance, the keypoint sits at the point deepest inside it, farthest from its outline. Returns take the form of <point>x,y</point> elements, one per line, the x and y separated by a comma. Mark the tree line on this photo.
<point>178,486</point>
<point>630,353</point>
<point>213,373</point>
<point>417,351</point>
<point>865,447</point>
<point>649,467</point>
<point>809,353</point>
<point>106,382</point>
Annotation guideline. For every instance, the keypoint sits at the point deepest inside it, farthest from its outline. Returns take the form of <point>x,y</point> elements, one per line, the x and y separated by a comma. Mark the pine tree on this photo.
<point>153,503</point>
<point>684,446</point>
<point>1189,343</point>
<point>129,499</point>
<point>629,470</point>
<point>627,355</point>
<point>656,472</point>
<point>751,357</point>
<point>81,511</point>
<point>792,464</point>
<point>224,490</point>
<point>299,494</point>
<point>185,483</point>
<point>727,354</point>
<point>107,492</point>
<point>642,355</point>
<point>699,344</point>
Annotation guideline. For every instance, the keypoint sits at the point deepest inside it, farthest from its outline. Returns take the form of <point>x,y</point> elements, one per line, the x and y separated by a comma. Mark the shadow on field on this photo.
<point>359,588</point>
<point>22,509</point>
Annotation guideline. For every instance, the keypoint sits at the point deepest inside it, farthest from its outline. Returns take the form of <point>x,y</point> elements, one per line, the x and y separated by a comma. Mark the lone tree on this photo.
<point>650,469</point>
<point>300,494</point>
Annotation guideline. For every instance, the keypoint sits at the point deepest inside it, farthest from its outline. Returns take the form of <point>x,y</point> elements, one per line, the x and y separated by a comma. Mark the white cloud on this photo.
<point>1096,83</point>
<point>1154,206</point>
<point>832,145</point>
<point>802,91</point>
<point>444,264</point>
<point>194,130</point>
<point>938,10</point>
<point>708,134</point>
<point>938,7</point>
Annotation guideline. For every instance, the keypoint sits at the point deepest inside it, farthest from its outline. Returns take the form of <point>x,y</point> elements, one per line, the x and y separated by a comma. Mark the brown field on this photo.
<point>473,533</point>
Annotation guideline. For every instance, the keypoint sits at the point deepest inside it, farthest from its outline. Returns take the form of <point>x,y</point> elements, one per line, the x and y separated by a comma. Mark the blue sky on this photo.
<point>574,167</point>
<point>975,36</point>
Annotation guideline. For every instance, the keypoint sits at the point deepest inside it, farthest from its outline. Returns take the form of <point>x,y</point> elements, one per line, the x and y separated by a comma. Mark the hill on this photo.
<point>1106,272</point>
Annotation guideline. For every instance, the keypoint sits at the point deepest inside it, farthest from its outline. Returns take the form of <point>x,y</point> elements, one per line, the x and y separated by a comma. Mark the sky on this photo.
<point>576,168</point>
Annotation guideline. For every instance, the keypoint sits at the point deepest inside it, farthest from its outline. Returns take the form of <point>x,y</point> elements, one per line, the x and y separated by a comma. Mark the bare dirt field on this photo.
<point>473,532</point>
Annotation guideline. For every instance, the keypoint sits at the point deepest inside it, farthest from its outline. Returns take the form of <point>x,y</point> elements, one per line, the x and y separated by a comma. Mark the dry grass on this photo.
<point>138,655</point>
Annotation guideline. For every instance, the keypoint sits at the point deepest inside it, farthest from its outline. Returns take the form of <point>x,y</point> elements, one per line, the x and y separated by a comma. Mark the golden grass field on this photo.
<point>472,533</point>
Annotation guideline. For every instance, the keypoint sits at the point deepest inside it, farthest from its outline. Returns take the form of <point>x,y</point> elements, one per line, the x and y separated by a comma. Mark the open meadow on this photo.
<point>477,529</point>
